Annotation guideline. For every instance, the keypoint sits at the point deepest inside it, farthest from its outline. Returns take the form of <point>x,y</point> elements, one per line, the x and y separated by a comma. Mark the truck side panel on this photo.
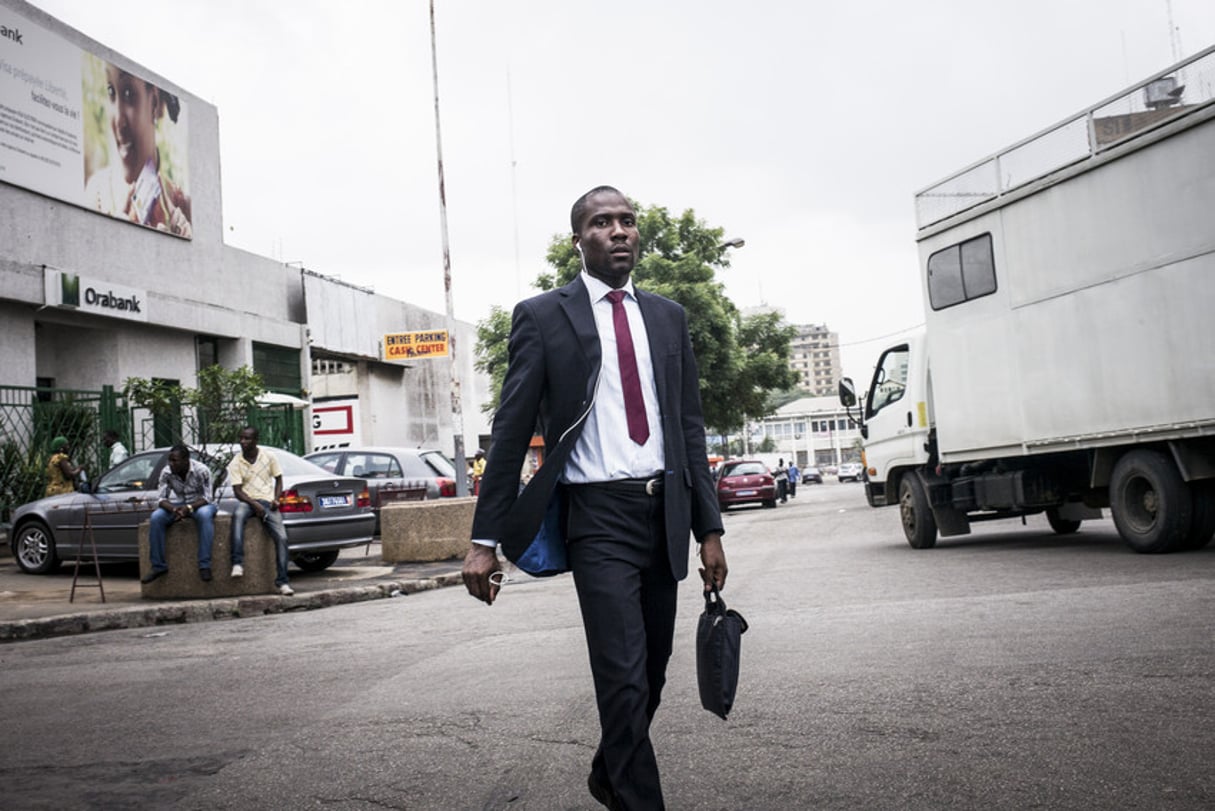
<point>1101,322</point>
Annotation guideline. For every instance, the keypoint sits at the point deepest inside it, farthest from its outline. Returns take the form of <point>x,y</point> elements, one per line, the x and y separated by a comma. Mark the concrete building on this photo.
<point>815,356</point>
<point>89,298</point>
<point>813,430</point>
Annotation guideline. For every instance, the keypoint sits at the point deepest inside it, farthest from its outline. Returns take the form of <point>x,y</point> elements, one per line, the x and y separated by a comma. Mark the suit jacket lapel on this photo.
<point>576,303</point>
<point>656,337</point>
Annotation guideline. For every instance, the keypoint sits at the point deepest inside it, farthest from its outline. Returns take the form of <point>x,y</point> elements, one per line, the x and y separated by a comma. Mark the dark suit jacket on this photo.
<point>549,386</point>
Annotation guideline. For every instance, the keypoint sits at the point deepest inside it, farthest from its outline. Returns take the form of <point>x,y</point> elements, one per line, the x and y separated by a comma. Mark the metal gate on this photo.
<point>30,417</point>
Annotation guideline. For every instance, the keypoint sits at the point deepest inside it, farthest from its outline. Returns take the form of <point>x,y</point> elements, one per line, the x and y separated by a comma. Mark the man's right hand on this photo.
<point>481,562</point>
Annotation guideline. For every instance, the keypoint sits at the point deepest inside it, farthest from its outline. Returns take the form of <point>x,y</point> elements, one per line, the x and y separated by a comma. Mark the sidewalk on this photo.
<point>38,606</point>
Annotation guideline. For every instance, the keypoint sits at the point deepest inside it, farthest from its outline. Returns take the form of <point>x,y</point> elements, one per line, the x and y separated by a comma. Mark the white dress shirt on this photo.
<point>604,450</point>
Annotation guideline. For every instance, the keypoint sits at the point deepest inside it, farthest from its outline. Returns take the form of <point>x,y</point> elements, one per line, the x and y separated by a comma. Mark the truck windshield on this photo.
<point>890,379</point>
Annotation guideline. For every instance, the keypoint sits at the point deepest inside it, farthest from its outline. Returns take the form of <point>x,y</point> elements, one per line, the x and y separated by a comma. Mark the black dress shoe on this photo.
<point>602,794</point>
<point>152,575</point>
<point>205,574</point>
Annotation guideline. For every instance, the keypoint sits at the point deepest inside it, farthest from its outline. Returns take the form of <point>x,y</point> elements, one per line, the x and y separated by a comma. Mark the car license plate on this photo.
<point>331,502</point>
<point>745,493</point>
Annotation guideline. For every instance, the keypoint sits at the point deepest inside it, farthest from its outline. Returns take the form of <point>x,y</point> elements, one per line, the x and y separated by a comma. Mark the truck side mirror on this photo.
<point>847,393</point>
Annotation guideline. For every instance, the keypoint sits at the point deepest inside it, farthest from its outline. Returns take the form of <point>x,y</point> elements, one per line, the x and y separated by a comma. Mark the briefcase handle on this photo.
<point>715,605</point>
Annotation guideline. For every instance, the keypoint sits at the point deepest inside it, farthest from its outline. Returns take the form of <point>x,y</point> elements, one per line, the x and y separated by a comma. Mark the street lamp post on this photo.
<point>737,242</point>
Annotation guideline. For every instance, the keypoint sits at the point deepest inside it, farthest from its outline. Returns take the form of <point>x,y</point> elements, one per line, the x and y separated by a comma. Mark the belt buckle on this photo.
<point>651,486</point>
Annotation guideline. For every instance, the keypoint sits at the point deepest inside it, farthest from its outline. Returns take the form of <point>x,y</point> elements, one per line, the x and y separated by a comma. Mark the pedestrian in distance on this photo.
<point>610,371</point>
<point>185,492</point>
<point>257,483</point>
<point>795,478</point>
<point>781,474</point>
<point>477,470</point>
<point>118,451</point>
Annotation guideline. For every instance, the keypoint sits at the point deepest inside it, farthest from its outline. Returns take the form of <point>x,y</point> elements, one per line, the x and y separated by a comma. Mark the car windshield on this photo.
<point>745,469</point>
<point>133,474</point>
<point>293,465</point>
<point>439,463</point>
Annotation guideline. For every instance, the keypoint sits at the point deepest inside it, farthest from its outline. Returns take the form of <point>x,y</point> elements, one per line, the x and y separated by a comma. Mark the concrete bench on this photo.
<point>421,531</point>
<point>181,553</point>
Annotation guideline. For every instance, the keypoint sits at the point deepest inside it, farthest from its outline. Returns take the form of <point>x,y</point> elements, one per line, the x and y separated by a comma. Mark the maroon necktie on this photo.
<point>634,403</point>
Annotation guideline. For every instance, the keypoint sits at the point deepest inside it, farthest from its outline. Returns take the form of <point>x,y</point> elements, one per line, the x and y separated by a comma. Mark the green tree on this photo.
<point>739,359</point>
<point>492,335</point>
<point>221,403</point>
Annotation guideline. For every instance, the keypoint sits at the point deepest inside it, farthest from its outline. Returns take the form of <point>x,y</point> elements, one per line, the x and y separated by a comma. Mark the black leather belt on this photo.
<point>650,487</point>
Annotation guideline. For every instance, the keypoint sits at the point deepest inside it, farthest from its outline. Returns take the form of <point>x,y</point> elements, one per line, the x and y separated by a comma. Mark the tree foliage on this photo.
<point>221,404</point>
<point>740,359</point>
<point>492,335</point>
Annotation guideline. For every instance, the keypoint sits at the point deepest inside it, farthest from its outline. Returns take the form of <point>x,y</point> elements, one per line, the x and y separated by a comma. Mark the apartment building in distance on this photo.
<point>814,354</point>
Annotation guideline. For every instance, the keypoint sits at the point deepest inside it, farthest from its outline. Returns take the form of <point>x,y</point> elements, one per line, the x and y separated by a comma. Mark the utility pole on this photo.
<point>457,413</point>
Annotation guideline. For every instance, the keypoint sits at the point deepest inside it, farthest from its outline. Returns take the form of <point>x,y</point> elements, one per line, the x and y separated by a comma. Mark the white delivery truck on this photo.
<point>1067,359</point>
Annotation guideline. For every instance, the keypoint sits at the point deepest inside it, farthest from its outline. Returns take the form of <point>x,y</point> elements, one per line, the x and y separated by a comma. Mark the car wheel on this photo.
<point>1153,508</point>
<point>34,548</point>
<point>1061,526</point>
<point>919,525</point>
<point>770,504</point>
<point>315,561</point>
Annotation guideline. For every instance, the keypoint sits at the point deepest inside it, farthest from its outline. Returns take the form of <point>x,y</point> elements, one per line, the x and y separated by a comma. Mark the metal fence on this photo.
<point>30,417</point>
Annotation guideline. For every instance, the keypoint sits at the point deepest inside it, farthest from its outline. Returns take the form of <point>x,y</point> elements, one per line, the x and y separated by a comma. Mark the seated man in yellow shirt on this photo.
<point>257,483</point>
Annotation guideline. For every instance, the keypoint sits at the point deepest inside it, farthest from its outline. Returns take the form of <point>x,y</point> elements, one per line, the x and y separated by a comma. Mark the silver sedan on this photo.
<point>323,514</point>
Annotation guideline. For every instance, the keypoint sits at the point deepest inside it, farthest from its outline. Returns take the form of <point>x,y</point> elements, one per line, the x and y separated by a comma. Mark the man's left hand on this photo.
<point>714,559</point>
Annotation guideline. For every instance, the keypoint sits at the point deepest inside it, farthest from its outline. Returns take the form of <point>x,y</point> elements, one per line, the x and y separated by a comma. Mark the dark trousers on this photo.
<point>618,554</point>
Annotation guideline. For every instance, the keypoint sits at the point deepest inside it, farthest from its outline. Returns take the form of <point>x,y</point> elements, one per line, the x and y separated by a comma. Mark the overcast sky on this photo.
<point>804,127</point>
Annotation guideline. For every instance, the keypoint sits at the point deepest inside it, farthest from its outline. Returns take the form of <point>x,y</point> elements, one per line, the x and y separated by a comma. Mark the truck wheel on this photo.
<point>1061,526</point>
<point>1203,526</point>
<point>918,523</point>
<point>1151,504</point>
<point>315,561</point>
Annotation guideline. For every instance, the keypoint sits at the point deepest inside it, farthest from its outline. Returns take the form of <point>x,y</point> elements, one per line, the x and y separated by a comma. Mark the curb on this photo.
<point>207,610</point>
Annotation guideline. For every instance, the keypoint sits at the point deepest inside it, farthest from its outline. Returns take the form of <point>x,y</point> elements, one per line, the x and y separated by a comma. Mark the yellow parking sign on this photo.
<point>415,345</point>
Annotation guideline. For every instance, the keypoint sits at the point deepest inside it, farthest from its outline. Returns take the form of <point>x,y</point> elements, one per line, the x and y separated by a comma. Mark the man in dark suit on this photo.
<point>608,374</point>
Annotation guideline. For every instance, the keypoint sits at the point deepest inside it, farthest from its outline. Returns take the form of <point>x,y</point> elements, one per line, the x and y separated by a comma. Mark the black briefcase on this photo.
<point>718,649</point>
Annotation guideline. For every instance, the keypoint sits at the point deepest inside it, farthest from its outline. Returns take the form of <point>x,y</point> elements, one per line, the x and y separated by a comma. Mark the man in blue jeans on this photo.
<point>185,492</point>
<point>257,483</point>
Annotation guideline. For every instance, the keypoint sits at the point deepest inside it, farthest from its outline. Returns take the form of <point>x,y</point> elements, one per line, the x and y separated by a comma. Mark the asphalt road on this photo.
<point>1011,669</point>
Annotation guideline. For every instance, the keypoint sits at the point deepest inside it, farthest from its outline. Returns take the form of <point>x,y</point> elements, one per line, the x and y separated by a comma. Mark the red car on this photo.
<point>745,482</point>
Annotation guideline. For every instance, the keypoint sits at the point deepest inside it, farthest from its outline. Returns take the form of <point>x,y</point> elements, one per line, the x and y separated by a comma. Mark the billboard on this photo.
<point>79,129</point>
<point>335,423</point>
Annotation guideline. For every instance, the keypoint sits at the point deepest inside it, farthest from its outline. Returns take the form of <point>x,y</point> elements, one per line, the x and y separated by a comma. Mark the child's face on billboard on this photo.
<point>133,111</point>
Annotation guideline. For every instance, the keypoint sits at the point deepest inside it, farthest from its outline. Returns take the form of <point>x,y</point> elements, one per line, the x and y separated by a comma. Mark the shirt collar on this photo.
<point>598,289</point>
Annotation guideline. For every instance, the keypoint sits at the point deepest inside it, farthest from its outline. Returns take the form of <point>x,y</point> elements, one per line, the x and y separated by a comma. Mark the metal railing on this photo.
<point>1176,91</point>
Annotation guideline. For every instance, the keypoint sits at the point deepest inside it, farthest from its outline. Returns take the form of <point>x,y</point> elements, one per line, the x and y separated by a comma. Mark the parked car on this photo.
<point>812,475</point>
<point>386,468</point>
<point>322,513</point>
<point>850,472</point>
<point>745,482</point>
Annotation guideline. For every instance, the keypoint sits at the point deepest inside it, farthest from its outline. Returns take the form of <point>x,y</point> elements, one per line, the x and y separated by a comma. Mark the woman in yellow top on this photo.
<point>60,472</point>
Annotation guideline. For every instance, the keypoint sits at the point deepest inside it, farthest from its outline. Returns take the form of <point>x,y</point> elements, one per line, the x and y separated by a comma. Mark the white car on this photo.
<point>850,472</point>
